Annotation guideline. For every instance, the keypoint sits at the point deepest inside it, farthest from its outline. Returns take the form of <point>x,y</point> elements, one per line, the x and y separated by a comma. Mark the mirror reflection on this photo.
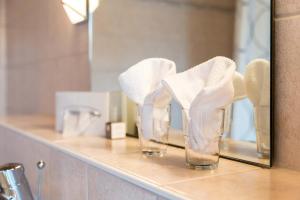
<point>190,32</point>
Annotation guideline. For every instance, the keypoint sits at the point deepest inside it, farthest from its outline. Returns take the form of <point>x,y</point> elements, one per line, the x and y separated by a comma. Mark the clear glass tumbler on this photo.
<point>154,142</point>
<point>262,125</point>
<point>203,152</point>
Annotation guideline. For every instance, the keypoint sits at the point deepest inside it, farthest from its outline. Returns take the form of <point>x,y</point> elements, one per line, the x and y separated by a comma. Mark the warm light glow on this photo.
<point>93,5</point>
<point>73,16</point>
<point>75,9</point>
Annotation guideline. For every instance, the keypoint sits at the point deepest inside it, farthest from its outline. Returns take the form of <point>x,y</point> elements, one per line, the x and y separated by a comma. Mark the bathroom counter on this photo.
<point>133,174</point>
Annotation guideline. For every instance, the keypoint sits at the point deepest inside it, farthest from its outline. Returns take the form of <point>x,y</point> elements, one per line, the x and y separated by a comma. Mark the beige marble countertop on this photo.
<point>168,176</point>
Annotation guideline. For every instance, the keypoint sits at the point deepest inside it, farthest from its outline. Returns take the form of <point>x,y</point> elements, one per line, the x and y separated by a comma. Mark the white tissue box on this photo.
<point>96,100</point>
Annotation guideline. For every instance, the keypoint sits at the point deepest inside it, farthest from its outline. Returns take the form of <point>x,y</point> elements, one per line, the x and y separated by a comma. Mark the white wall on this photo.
<point>2,58</point>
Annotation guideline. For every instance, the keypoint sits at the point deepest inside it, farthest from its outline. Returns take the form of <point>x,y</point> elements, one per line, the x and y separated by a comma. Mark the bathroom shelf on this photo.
<point>165,178</point>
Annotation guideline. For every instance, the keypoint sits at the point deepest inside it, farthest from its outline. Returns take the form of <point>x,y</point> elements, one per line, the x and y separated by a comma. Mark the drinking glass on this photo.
<point>204,154</point>
<point>154,143</point>
<point>262,125</point>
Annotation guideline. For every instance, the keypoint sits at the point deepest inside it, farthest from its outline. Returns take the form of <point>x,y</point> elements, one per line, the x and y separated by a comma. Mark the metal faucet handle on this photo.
<point>41,164</point>
<point>13,183</point>
<point>4,196</point>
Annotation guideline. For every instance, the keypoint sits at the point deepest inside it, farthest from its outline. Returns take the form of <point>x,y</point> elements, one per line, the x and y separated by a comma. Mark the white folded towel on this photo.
<point>142,84</point>
<point>257,80</point>
<point>203,91</point>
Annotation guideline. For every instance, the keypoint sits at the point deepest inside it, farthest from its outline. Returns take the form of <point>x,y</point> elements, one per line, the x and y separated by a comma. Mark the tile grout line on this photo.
<point>286,16</point>
<point>28,65</point>
<point>207,177</point>
<point>87,182</point>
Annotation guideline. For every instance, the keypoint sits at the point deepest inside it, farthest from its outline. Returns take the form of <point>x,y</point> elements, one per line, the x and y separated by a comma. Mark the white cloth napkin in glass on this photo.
<point>203,91</point>
<point>142,84</point>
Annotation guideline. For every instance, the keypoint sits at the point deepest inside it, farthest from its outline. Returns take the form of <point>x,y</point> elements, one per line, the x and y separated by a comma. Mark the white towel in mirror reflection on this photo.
<point>257,81</point>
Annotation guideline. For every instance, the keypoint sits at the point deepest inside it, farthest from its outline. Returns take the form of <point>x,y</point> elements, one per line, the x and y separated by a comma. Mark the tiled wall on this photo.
<point>287,83</point>
<point>46,53</point>
<point>65,177</point>
<point>2,57</point>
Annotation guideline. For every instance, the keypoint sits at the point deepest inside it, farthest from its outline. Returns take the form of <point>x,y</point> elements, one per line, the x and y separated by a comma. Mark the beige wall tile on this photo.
<point>25,46</point>
<point>64,38</point>
<point>2,13</point>
<point>2,91</point>
<point>210,34</point>
<point>2,47</point>
<point>67,177</point>
<point>2,57</point>
<point>39,31</point>
<point>21,90</point>
<point>3,76</point>
<point>37,83</point>
<point>66,73</point>
<point>74,69</point>
<point>287,85</point>
<point>46,53</point>
<point>20,16</point>
<point>104,186</point>
<point>287,7</point>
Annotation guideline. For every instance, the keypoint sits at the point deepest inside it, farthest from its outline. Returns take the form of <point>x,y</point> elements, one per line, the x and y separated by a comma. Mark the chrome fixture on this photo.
<point>13,183</point>
<point>40,165</point>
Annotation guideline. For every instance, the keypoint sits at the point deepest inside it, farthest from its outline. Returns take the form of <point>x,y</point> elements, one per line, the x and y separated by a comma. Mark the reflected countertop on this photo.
<point>242,150</point>
<point>168,177</point>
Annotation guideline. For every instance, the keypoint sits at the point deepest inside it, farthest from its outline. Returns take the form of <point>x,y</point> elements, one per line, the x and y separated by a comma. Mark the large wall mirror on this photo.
<point>190,32</point>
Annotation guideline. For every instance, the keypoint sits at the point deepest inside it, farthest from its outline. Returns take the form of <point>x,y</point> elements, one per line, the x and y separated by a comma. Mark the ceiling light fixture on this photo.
<point>77,10</point>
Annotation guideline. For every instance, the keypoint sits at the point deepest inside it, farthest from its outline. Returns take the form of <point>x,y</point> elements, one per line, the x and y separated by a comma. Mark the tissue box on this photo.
<point>96,100</point>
